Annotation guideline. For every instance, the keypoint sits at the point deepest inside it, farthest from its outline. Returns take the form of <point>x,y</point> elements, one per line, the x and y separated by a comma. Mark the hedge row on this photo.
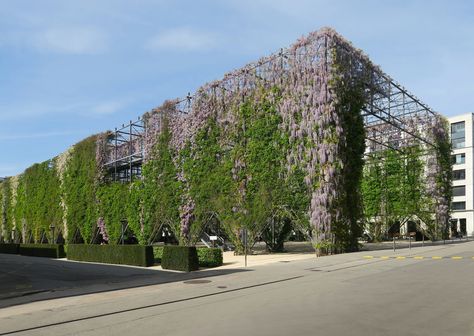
<point>207,257</point>
<point>158,253</point>
<point>180,258</point>
<point>210,257</point>
<point>42,250</point>
<point>10,248</point>
<point>136,255</point>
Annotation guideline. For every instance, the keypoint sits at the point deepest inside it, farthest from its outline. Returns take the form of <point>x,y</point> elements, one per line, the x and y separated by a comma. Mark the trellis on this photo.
<point>393,117</point>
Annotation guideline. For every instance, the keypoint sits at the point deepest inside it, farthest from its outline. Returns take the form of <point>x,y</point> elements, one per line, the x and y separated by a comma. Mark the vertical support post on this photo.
<point>273,234</point>
<point>130,149</point>
<point>121,235</point>
<point>409,241</point>
<point>115,156</point>
<point>393,237</point>
<point>244,233</point>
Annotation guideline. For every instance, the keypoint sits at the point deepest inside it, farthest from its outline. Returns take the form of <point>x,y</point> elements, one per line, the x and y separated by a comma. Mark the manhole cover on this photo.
<point>284,261</point>
<point>316,270</point>
<point>196,282</point>
<point>222,287</point>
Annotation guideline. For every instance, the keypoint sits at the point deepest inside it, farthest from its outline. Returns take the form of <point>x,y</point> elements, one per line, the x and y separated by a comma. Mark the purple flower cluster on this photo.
<point>103,229</point>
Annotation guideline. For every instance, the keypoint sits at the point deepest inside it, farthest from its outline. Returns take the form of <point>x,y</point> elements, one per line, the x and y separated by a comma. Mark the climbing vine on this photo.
<point>278,143</point>
<point>79,189</point>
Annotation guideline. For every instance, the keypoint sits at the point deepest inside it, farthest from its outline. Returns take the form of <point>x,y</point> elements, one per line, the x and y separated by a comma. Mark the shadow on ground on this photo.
<point>404,244</point>
<point>27,279</point>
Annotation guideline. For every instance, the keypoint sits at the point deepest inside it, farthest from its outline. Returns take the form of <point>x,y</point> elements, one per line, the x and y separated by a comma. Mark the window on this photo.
<point>458,206</point>
<point>462,226</point>
<point>459,191</point>
<point>458,158</point>
<point>459,174</point>
<point>458,139</point>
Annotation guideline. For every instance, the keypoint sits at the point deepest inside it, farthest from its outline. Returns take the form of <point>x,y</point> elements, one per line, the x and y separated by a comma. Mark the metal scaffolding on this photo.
<point>393,117</point>
<point>125,152</point>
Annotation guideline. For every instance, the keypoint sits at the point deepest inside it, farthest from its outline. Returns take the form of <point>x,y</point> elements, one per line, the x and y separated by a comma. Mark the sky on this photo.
<point>69,69</point>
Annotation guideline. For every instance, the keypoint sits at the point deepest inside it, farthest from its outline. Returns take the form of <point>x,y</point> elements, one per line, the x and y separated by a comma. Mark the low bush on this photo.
<point>158,253</point>
<point>10,248</point>
<point>42,250</point>
<point>180,258</point>
<point>210,257</point>
<point>136,255</point>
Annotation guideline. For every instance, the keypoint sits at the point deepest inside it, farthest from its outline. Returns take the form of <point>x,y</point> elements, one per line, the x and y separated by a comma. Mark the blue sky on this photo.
<point>69,69</point>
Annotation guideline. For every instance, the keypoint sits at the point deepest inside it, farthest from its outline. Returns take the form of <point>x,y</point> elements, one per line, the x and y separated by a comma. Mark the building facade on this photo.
<point>462,206</point>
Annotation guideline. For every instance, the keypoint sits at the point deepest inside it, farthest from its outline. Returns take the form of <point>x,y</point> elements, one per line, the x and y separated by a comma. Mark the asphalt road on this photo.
<point>352,294</point>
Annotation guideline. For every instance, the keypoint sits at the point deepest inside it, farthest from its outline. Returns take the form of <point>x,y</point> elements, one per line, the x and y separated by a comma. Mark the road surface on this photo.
<point>423,291</point>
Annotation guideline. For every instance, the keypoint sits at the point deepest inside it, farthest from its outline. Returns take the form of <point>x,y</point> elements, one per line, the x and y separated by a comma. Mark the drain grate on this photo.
<point>196,282</point>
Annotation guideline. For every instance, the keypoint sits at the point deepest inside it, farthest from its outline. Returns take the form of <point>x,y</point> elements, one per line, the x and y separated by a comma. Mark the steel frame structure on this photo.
<point>393,117</point>
<point>125,151</point>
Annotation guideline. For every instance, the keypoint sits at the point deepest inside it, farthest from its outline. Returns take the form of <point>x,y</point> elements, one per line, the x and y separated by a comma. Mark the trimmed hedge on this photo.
<point>158,253</point>
<point>136,255</point>
<point>210,257</point>
<point>180,258</point>
<point>42,250</point>
<point>10,248</point>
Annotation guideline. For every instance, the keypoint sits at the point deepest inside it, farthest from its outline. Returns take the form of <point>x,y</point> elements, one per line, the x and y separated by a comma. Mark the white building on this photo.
<point>462,206</point>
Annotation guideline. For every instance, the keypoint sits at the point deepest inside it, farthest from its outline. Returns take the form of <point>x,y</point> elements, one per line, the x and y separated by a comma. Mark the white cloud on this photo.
<point>182,39</point>
<point>107,108</point>
<point>19,136</point>
<point>78,41</point>
<point>38,110</point>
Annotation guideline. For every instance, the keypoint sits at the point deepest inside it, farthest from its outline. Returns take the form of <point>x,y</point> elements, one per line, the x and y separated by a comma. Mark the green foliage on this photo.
<point>6,215</point>
<point>262,185</point>
<point>393,188</point>
<point>113,200</point>
<point>351,99</point>
<point>42,250</point>
<point>79,189</point>
<point>208,172</point>
<point>158,253</point>
<point>38,203</point>
<point>10,248</point>
<point>136,255</point>
<point>158,195</point>
<point>180,258</point>
<point>210,257</point>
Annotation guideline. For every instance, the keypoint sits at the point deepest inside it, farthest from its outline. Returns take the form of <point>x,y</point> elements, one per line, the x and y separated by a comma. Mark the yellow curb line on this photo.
<point>456,258</point>
<point>437,258</point>
<point>368,257</point>
<point>384,257</point>
<point>401,258</point>
<point>419,258</point>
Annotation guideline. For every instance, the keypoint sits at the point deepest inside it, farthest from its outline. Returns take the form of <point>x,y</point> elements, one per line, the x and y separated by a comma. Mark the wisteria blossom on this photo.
<point>103,229</point>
